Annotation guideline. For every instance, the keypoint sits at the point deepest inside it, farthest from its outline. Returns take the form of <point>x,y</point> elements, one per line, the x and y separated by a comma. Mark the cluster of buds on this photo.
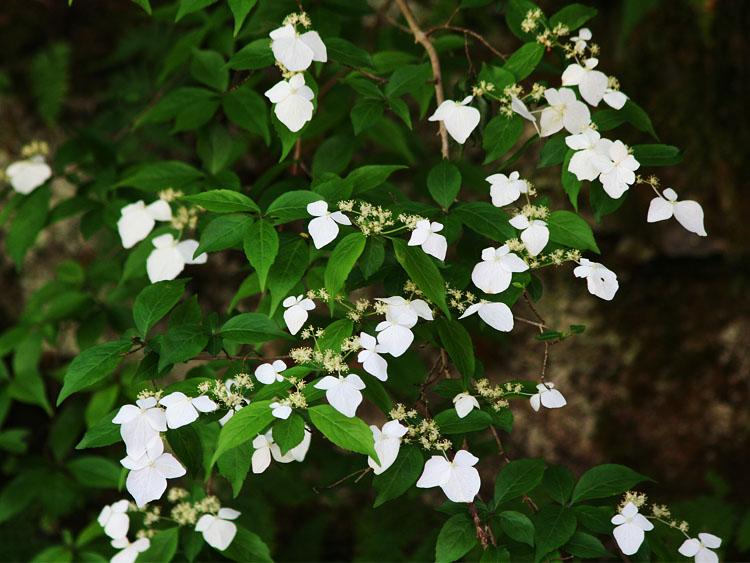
<point>496,394</point>
<point>372,219</point>
<point>555,258</point>
<point>410,221</point>
<point>652,181</point>
<point>148,393</point>
<point>229,393</point>
<point>321,294</point>
<point>35,148</point>
<point>296,19</point>
<point>458,299</point>
<point>517,91</point>
<point>532,20</point>
<point>170,194</point>
<point>482,88</point>
<point>185,217</point>
<point>535,212</point>
<point>634,497</point>
<point>412,290</point>
<point>427,434</point>
<point>359,309</point>
<point>186,513</point>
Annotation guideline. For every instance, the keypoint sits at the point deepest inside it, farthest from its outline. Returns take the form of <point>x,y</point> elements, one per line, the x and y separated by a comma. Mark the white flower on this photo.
<point>619,174</point>
<point>325,227</point>
<point>265,448</point>
<point>494,272</point>
<point>426,235</point>
<point>497,315</point>
<point>406,311</point>
<point>182,410</point>
<point>464,403</point>
<point>534,233</point>
<point>458,478</point>
<point>292,101</point>
<point>701,548</point>
<point>459,119</point>
<point>504,190</point>
<point>521,109</point>
<point>280,410</point>
<point>591,83</point>
<point>394,337</point>
<point>343,393</point>
<point>564,110</point>
<point>614,98</point>
<point>688,213</point>
<point>139,424</point>
<point>548,397</point>
<point>229,414</point>
<point>387,445</point>
<point>114,519</point>
<point>296,314</point>
<point>148,475</point>
<point>270,373</point>
<point>297,52</point>
<point>27,175</point>
<point>630,529</point>
<point>138,219</point>
<point>129,551</point>
<point>370,358</point>
<point>581,40</point>
<point>601,281</point>
<point>218,531</point>
<point>591,156</point>
<point>169,257</point>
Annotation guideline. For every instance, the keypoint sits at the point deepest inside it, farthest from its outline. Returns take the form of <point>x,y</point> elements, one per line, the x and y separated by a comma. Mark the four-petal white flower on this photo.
<point>406,311</point>
<point>700,548</point>
<point>548,397</point>
<point>426,235</point>
<point>600,280</point>
<point>218,530</point>
<point>458,117</point>
<point>504,190</point>
<point>459,479</point>
<point>631,528</point>
<point>493,274</point>
<point>591,83</point>
<point>464,403</point>
<point>280,410</point>
<point>325,227</point>
<point>497,315</point>
<point>270,373</point>
<point>395,337</point>
<point>564,110</point>
<point>591,156</point>
<point>581,40</point>
<point>387,445</point>
<point>292,101</point>
<point>618,175</point>
<point>182,410</point>
<point>296,313</point>
<point>534,233</point>
<point>170,256</point>
<point>297,51</point>
<point>148,475</point>
<point>129,551</point>
<point>139,424</point>
<point>344,393</point>
<point>370,358</point>
<point>114,519</point>
<point>264,448</point>
<point>688,213</point>
<point>27,175</point>
<point>137,220</point>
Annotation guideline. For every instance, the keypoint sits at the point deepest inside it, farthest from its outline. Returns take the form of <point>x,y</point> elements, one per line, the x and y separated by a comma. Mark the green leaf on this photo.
<point>251,328</point>
<point>50,79</point>
<point>333,155</point>
<point>288,269</point>
<point>189,106</point>
<point>27,224</point>
<point>240,9</point>
<point>207,67</point>
<point>365,113</point>
<point>554,526</point>
<point>145,4</point>
<point>234,465</point>
<point>572,16</point>
<point>499,136</point>
<point>289,433</point>
<point>515,13</point>
<point>342,261</point>
<point>423,272</point>
<point>247,546</point>
<point>400,476</point>
<point>372,257</point>
<point>190,6</point>
<point>524,60</point>
<point>224,201</point>
<point>553,152</point>
<point>485,219</point>
<point>103,433</point>
<point>586,546</point>
<point>155,301</point>
<point>246,108</point>
<point>450,423</point>
<point>558,483</point>
<point>370,176</point>
<point>253,56</point>
<point>92,365</point>
<point>163,547</point>
<point>568,229</point>
<point>444,183</point>
<point>571,184</point>
<point>407,79</point>
<point>243,427</point>
<point>517,478</point>
<point>346,53</point>
<point>186,337</point>
<point>292,205</point>
<point>261,244</point>
<point>457,342</point>
<point>347,433</point>
<point>226,231</point>
<point>605,481</point>
<point>456,538</point>
<point>95,472</point>
<point>517,526</point>
<point>657,155</point>
<point>161,175</point>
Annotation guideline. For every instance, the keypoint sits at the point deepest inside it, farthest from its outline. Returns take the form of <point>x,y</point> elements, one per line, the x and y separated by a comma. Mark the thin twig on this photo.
<point>467,31</point>
<point>422,39</point>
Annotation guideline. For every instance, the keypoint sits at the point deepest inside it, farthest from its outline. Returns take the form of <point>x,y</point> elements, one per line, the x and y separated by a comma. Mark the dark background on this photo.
<point>660,380</point>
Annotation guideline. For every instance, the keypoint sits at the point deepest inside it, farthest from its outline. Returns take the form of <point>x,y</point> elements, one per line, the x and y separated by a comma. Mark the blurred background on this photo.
<point>662,373</point>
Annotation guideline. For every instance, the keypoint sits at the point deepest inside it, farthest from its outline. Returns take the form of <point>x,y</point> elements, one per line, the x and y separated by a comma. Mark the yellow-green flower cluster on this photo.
<point>496,394</point>
<point>300,18</point>
<point>35,148</point>
<point>373,219</point>
<point>458,299</point>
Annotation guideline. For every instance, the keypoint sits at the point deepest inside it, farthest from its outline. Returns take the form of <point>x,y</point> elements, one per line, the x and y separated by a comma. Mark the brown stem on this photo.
<point>470,32</point>
<point>484,533</point>
<point>421,38</point>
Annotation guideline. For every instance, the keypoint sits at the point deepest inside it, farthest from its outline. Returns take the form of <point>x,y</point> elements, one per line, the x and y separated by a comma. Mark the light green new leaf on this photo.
<point>261,244</point>
<point>342,261</point>
<point>92,365</point>
<point>348,433</point>
<point>155,301</point>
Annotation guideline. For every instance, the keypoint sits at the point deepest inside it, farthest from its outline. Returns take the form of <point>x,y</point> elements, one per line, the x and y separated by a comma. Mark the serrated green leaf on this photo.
<point>155,301</point>
<point>261,244</point>
<point>343,258</point>
<point>92,365</point>
<point>456,538</point>
<point>348,433</point>
<point>224,201</point>
<point>444,183</point>
<point>605,481</point>
<point>423,272</point>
